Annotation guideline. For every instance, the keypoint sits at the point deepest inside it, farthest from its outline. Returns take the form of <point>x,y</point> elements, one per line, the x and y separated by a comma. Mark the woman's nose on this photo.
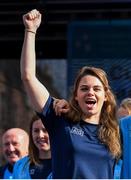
<point>90,91</point>
<point>41,133</point>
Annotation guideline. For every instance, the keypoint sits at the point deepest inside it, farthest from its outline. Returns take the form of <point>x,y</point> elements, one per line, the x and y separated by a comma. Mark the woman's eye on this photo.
<point>97,89</point>
<point>84,89</point>
<point>36,130</point>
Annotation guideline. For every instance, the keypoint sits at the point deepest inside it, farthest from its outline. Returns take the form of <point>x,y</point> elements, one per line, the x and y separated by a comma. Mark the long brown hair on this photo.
<point>33,150</point>
<point>109,129</point>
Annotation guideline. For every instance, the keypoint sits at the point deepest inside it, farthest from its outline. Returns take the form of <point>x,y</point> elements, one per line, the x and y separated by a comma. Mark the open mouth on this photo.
<point>90,103</point>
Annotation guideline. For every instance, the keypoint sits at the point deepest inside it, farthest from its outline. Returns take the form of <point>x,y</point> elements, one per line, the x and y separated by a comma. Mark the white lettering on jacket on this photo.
<point>77,131</point>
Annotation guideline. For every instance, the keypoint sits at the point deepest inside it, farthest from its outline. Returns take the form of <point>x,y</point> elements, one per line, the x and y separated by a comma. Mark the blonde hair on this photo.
<point>126,104</point>
<point>109,129</point>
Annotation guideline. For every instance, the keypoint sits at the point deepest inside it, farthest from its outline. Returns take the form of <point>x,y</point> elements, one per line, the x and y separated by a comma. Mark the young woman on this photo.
<point>85,143</point>
<point>38,164</point>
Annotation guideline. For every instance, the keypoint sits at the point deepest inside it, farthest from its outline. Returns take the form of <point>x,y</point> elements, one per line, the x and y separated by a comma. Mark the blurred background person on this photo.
<point>124,108</point>
<point>125,126</point>
<point>38,164</point>
<point>124,115</point>
<point>15,144</point>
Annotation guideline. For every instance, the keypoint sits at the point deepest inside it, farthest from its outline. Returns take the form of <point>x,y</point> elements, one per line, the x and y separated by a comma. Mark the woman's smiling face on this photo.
<point>40,136</point>
<point>90,96</point>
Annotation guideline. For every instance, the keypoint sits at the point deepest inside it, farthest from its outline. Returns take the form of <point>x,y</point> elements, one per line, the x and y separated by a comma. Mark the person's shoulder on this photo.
<point>24,159</point>
<point>21,161</point>
<point>125,119</point>
<point>125,123</point>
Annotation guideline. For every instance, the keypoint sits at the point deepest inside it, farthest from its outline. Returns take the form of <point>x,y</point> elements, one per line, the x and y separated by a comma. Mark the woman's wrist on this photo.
<point>30,31</point>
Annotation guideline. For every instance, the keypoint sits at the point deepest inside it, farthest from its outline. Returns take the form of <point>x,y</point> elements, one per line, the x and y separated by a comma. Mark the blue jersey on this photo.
<point>76,149</point>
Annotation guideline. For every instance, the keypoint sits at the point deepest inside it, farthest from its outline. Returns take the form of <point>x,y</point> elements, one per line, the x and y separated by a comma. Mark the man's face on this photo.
<point>14,146</point>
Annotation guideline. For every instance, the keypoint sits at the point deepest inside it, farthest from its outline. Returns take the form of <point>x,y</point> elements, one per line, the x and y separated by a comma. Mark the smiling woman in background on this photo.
<point>38,164</point>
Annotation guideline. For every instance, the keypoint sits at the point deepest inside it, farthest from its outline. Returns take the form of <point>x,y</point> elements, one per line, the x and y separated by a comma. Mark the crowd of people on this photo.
<point>75,139</point>
<point>27,156</point>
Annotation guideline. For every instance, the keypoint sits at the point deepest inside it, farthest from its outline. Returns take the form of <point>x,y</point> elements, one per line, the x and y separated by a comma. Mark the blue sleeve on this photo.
<point>48,115</point>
